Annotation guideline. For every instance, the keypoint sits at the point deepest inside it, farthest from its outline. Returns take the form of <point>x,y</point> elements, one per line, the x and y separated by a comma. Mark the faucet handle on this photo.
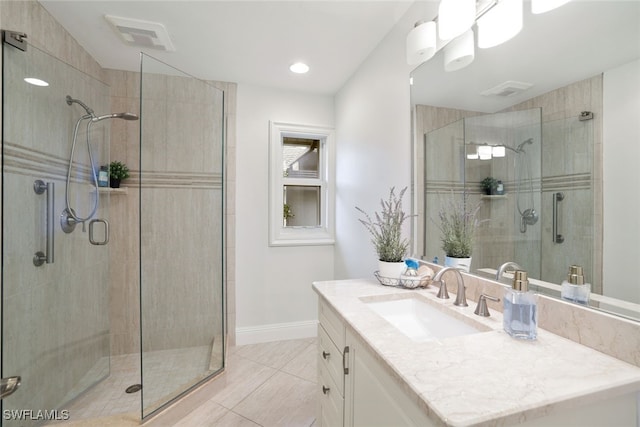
<point>443,293</point>
<point>481,308</point>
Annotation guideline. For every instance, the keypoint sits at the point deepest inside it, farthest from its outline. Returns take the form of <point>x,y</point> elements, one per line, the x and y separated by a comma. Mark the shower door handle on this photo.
<point>40,187</point>
<point>557,237</point>
<point>106,232</point>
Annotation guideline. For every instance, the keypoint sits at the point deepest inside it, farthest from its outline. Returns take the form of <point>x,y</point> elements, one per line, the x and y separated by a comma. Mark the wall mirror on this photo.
<point>553,114</point>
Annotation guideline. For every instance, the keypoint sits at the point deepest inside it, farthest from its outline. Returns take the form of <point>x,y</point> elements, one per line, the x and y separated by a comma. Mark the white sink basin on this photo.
<point>421,321</point>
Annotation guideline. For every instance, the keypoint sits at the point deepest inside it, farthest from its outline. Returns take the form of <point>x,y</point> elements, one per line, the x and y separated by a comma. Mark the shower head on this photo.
<point>89,111</point>
<point>94,118</point>
<point>523,143</point>
<point>124,116</point>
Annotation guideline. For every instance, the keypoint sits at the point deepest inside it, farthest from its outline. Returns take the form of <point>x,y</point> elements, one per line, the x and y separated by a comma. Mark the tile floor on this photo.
<point>269,385</point>
<point>109,397</point>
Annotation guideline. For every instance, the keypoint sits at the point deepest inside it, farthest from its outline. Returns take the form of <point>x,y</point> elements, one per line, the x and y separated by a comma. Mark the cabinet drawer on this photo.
<point>330,358</point>
<point>331,323</point>
<point>331,403</point>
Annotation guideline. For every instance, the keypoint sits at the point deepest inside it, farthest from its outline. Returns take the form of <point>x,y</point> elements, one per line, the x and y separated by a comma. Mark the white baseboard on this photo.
<point>276,332</point>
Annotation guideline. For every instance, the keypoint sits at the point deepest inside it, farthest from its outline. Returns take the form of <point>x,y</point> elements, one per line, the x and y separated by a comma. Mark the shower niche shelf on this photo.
<point>113,191</point>
<point>493,196</point>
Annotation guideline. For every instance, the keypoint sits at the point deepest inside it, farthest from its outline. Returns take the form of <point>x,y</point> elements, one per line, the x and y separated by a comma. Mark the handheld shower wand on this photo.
<point>69,217</point>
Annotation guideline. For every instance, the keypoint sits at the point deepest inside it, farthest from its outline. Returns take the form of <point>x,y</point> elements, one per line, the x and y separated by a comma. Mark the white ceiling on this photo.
<point>250,42</point>
<point>254,42</point>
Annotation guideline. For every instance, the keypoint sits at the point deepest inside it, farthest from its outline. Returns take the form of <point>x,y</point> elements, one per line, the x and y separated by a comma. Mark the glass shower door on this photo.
<point>514,156</point>
<point>55,319</point>
<point>459,156</point>
<point>181,226</point>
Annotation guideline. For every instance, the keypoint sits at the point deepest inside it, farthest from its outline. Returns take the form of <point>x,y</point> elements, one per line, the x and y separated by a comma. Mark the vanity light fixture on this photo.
<point>299,68</point>
<point>542,6</point>
<point>460,52</point>
<point>472,153</point>
<point>421,42</point>
<point>498,151</point>
<point>497,21</point>
<point>36,82</point>
<point>455,17</point>
<point>484,152</point>
<point>501,23</point>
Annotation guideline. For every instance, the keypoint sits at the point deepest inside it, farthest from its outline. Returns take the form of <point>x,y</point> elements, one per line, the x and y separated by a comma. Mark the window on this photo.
<point>301,210</point>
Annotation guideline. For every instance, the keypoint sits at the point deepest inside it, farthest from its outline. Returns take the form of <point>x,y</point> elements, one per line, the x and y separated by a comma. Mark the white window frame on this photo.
<point>279,235</point>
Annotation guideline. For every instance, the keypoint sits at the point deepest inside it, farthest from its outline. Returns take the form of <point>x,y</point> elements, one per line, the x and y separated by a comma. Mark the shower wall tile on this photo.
<point>177,140</point>
<point>125,134</point>
<point>45,33</point>
<point>565,153</point>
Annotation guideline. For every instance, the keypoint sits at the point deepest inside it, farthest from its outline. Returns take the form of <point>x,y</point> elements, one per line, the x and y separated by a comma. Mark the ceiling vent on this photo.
<point>507,88</point>
<point>136,32</point>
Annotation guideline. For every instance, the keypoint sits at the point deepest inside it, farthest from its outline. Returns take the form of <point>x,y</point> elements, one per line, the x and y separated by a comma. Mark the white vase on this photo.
<point>391,270</point>
<point>461,263</point>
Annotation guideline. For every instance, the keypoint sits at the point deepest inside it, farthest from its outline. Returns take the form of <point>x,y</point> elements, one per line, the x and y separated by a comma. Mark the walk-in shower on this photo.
<point>81,328</point>
<point>69,218</point>
<point>542,219</point>
<point>500,147</point>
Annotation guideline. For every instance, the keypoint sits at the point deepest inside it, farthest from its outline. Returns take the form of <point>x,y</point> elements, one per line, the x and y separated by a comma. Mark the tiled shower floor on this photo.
<point>264,385</point>
<point>164,371</point>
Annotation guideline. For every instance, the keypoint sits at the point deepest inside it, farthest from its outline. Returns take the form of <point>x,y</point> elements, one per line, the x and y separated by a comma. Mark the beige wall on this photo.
<point>174,151</point>
<point>570,167</point>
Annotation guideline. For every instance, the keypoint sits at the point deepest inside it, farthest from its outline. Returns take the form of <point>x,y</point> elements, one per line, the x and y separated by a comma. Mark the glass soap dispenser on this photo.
<point>520,317</point>
<point>574,289</point>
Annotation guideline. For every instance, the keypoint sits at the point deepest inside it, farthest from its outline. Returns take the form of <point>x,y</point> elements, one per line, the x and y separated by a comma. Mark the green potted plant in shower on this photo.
<point>489,185</point>
<point>458,222</point>
<point>386,234</point>
<point>117,172</point>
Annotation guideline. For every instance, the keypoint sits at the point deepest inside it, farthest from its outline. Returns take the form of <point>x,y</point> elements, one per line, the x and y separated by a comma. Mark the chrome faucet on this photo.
<point>461,298</point>
<point>509,264</point>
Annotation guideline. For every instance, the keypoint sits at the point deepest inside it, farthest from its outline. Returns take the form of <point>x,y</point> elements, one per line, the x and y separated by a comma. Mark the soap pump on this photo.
<point>520,317</point>
<point>574,289</point>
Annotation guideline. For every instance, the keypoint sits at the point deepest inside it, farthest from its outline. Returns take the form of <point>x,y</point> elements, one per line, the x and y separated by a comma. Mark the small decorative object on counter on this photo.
<point>415,276</point>
<point>520,317</point>
<point>574,289</point>
<point>500,188</point>
<point>103,177</point>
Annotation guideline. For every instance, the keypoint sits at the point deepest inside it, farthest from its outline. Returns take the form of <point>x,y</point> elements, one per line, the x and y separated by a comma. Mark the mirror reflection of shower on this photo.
<point>69,218</point>
<point>524,185</point>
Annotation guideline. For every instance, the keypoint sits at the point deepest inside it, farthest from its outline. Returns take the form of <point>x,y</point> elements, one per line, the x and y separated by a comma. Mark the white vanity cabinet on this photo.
<point>372,397</point>
<point>353,387</point>
<point>331,367</point>
<point>372,383</point>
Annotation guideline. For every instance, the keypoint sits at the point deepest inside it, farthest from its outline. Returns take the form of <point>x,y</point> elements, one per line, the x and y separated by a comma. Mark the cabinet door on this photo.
<point>330,401</point>
<point>372,396</point>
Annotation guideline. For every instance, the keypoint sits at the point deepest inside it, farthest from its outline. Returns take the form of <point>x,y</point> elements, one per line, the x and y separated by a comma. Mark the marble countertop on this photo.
<point>487,378</point>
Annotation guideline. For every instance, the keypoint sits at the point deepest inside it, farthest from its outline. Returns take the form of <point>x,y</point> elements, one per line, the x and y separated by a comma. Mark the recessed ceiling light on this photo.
<point>35,82</point>
<point>299,68</point>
